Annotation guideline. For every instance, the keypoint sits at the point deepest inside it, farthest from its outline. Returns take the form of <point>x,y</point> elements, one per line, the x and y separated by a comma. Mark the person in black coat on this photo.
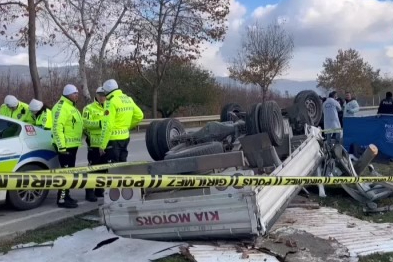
<point>386,105</point>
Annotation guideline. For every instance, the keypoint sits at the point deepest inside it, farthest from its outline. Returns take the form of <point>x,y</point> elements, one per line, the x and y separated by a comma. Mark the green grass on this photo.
<point>173,258</point>
<point>387,257</point>
<point>50,232</point>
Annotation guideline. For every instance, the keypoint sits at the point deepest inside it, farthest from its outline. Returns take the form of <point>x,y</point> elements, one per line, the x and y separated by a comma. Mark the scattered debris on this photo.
<point>360,237</point>
<point>91,218</point>
<point>32,245</point>
<point>228,253</point>
<point>80,247</point>
<point>307,206</point>
<point>351,225</point>
<point>296,246</point>
<point>106,242</point>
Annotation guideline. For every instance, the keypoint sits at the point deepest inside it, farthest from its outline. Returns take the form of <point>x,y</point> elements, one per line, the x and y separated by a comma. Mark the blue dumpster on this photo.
<point>365,130</point>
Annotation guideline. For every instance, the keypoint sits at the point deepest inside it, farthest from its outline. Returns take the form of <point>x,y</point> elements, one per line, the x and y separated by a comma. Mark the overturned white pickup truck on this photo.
<point>259,142</point>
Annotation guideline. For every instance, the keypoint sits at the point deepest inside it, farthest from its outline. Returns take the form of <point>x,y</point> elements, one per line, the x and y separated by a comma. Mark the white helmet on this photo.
<point>110,85</point>
<point>100,90</point>
<point>35,105</point>
<point>69,89</point>
<point>11,101</point>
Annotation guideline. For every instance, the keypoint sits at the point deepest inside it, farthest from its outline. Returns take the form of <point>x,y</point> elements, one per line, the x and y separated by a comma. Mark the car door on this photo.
<point>10,144</point>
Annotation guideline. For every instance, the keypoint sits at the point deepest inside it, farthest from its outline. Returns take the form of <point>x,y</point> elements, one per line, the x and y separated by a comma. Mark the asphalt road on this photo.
<point>367,113</point>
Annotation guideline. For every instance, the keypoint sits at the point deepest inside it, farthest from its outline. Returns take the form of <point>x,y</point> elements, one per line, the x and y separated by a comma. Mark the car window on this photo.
<point>9,129</point>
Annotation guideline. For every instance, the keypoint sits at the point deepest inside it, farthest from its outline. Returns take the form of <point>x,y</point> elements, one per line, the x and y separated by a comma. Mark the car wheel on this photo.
<point>230,108</point>
<point>271,122</point>
<point>166,131</point>
<point>252,119</point>
<point>312,103</point>
<point>151,140</point>
<point>27,199</point>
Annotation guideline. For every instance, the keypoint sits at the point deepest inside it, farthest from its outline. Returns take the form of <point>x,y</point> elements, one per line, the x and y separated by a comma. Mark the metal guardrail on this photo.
<point>201,119</point>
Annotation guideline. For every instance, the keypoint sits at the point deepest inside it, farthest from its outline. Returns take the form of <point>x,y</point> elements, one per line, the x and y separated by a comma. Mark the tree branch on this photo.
<point>138,67</point>
<point>61,27</point>
<point>14,3</point>
<point>174,25</point>
<point>82,10</point>
<point>38,2</point>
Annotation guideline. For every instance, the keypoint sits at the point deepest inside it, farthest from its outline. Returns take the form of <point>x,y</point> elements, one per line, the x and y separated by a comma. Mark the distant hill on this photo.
<point>23,71</point>
<point>282,85</point>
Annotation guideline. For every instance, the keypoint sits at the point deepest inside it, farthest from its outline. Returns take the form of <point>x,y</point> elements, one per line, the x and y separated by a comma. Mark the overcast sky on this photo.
<point>320,28</point>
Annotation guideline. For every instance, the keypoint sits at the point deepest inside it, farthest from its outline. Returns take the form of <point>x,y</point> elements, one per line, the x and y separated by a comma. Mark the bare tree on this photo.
<point>265,54</point>
<point>167,29</point>
<point>10,11</point>
<point>87,24</point>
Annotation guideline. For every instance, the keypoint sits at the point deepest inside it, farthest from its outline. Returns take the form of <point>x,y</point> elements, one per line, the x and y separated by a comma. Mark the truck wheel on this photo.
<point>272,122</point>
<point>311,101</point>
<point>231,107</point>
<point>209,148</point>
<point>166,131</point>
<point>27,199</point>
<point>152,142</point>
<point>252,119</point>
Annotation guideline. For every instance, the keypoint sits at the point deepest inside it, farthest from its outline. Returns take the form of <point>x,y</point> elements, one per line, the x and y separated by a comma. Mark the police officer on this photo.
<point>67,129</point>
<point>41,113</point>
<point>15,109</point>
<point>92,116</point>
<point>120,116</point>
<point>386,105</point>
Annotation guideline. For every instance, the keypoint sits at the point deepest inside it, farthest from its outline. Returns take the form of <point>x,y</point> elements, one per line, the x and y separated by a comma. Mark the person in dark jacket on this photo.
<point>341,113</point>
<point>386,105</point>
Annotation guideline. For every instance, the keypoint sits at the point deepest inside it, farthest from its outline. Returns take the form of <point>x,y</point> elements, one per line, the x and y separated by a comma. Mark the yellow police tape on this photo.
<point>18,181</point>
<point>71,170</point>
<point>333,130</point>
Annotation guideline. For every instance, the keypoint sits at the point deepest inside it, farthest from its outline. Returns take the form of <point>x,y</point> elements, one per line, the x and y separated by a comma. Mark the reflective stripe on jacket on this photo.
<point>67,125</point>
<point>20,113</point>
<point>92,116</point>
<point>44,119</point>
<point>121,114</point>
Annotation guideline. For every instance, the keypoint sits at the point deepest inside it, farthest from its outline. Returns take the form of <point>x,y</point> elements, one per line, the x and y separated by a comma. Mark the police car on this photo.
<point>24,147</point>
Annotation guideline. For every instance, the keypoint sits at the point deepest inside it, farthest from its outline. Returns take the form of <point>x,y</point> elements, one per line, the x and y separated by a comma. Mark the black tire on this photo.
<point>311,101</point>
<point>272,122</point>
<point>231,107</point>
<point>166,130</point>
<point>252,119</point>
<point>152,142</point>
<point>209,148</point>
<point>15,197</point>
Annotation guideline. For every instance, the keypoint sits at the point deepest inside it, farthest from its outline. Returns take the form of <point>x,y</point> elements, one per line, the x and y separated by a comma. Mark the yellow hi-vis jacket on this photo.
<point>20,113</point>
<point>67,125</point>
<point>92,116</point>
<point>44,120</point>
<point>120,116</point>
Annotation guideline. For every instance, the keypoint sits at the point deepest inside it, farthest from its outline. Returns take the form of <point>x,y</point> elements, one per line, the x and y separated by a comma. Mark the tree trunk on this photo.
<point>35,78</point>
<point>155,98</point>
<point>264,93</point>
<point>83,77</point>
<point>100,69</point>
